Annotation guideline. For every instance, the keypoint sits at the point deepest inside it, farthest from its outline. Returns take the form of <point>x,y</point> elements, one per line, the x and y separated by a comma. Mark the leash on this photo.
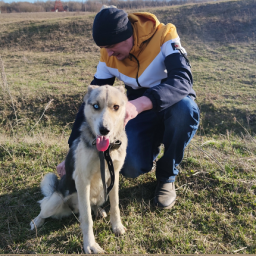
<point>106,156</point>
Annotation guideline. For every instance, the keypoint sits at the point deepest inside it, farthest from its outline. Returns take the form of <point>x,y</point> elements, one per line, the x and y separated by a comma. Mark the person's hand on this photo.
<point>61,169</point>
<point>134,107</point>
<point>131,112</point>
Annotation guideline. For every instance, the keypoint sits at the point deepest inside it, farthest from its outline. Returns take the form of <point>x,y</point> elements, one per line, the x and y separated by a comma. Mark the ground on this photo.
<point>48,60</point>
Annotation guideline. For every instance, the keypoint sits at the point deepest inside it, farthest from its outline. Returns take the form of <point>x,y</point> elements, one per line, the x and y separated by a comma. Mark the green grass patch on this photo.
<point>48,61</point>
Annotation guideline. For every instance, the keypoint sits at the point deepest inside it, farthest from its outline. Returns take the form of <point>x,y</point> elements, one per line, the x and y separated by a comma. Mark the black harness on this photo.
<point>106,156</point>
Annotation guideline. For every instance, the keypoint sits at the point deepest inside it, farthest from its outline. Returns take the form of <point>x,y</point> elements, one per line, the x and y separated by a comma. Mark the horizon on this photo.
<point>33,1</point>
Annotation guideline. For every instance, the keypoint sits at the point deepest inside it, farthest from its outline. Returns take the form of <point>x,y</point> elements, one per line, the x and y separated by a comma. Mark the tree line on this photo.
<point>89,5</point>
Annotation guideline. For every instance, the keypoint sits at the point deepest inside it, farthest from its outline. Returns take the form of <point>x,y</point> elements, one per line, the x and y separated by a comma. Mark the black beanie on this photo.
<point>111,26</point>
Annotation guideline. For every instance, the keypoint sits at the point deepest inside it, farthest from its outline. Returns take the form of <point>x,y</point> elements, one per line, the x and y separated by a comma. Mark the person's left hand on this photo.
<point>61,169</point>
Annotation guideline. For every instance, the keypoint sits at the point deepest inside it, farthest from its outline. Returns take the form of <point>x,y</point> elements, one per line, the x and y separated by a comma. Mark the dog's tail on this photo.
<point>49,184</point>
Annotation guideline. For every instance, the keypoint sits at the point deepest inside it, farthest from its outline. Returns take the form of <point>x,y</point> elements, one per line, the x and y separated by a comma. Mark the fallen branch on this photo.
<point>240,249</point>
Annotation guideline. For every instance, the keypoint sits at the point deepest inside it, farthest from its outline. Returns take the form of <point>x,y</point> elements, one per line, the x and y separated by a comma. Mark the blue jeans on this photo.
<point>174,127</point>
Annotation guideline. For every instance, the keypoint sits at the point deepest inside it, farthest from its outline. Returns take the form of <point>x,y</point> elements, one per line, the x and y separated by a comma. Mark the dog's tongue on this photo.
<point>102,143</point>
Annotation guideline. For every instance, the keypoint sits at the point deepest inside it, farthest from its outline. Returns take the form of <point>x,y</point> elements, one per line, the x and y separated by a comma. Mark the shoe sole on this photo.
<point>167,207</point>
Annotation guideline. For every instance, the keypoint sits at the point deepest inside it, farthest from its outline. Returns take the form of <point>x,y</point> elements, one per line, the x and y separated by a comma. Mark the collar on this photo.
<point>112,146</point>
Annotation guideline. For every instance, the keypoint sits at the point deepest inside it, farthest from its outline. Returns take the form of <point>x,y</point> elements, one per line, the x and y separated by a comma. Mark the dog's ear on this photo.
<point>89,90</point>
<point>91,87</point>
<point>121,89</point>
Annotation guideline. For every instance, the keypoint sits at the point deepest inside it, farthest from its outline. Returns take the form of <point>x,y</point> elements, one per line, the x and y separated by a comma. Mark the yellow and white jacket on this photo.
<point>157,66</point>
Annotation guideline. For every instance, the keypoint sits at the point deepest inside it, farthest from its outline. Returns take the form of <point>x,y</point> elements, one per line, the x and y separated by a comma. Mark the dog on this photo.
<point>81,189</point>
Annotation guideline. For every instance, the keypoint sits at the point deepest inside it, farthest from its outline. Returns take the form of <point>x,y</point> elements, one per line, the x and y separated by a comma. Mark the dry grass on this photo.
<point>8,18</point>
<point>42,85</point>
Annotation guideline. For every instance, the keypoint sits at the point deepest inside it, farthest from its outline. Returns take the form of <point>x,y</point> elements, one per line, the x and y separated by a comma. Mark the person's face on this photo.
<point>120,50</point>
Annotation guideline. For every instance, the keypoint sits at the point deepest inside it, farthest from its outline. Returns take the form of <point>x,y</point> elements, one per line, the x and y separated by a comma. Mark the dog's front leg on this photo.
<point>83,192</point>
<point>115,218</point>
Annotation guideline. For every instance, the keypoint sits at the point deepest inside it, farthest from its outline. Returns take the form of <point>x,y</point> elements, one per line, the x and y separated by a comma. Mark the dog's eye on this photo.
<point>96,106</point>
<point>116,107</point>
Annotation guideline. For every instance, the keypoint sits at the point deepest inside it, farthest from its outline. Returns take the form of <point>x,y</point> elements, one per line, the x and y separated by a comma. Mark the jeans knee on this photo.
<point>185,112</point>
<point>131,169</point>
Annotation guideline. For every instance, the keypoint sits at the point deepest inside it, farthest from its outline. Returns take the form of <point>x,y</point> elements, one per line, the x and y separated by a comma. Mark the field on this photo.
<point>46,63</point>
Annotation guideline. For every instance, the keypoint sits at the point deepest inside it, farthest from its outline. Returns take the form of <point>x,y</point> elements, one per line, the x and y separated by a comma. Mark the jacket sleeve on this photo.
<point>100,78</point>
<point>178,83</point>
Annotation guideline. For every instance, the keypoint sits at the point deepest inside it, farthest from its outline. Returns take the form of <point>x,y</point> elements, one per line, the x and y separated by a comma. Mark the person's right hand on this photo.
<point>61,169</point>
<point>135,107</point>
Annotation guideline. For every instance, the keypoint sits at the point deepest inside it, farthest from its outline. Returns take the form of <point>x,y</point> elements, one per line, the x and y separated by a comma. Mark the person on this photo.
<point>148,57</point>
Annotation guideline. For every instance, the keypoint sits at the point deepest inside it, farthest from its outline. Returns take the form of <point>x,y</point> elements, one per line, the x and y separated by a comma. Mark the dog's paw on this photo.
<point>119,229</point>
<point>95,248</point>
<point>37,222</point>
<point>99,212</point>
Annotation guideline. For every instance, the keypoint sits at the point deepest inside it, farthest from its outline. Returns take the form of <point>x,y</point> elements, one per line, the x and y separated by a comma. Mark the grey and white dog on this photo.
<point>81,189</point>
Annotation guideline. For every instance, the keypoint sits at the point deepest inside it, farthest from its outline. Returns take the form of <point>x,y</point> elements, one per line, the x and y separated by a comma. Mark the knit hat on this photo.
<point>111,26</point>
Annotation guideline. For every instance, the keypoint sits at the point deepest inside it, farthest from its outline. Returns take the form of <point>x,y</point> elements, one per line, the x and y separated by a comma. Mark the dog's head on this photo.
<point>105,110</point>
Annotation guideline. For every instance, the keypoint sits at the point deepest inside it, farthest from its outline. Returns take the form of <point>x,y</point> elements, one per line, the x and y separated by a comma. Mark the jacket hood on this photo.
<point>144,26</point>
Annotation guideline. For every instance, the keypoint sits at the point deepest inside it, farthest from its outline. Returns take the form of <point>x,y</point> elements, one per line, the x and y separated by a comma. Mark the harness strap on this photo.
<point>106,156</point>
<point>111,170</point>
<point>102,172</point>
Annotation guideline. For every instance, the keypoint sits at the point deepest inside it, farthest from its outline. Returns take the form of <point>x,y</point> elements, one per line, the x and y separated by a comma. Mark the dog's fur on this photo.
<point>81,189</point>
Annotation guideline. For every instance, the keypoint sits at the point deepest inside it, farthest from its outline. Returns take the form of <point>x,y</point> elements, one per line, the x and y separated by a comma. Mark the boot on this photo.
<point>165,195</point>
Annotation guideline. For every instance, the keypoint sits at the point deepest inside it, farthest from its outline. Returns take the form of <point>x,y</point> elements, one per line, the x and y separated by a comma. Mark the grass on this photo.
<point>46,64</point>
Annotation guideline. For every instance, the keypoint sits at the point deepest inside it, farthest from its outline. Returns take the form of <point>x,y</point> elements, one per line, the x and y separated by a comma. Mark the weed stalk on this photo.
<point>5,87</point>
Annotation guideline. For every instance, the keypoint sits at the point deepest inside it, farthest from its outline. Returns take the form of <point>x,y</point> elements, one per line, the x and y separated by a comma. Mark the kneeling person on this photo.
<point>148,57</point>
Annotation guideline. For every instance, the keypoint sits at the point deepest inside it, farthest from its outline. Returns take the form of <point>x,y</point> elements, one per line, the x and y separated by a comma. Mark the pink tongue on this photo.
<point>102,143</point>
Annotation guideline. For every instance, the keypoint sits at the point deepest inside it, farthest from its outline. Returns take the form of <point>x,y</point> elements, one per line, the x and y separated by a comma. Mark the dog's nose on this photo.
<point>104,130</point>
